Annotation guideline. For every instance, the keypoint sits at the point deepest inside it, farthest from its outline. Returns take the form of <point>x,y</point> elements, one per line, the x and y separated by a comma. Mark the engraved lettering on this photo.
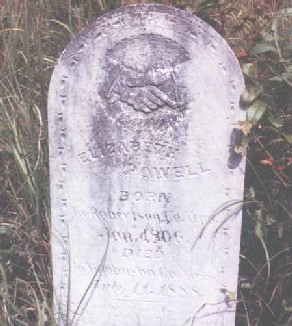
<point>178,172</point>
<point>146,173</point>
<point>174,173</point>
<point>124,195</point>
<point>110,148</point>
<point>162,172</point>
<point>96,153</point>
<point>138,195</point>
<point>83,158</point>
<point>164,197</point>
<point>122,149</point>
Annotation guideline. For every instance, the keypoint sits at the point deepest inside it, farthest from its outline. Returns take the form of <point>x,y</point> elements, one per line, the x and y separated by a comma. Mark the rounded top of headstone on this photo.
<point>140,17</point>
<point>147,52</point>
<point>149,58</point>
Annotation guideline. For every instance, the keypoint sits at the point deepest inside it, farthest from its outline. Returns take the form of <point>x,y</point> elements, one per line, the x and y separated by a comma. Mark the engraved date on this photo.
<point>148,235</point>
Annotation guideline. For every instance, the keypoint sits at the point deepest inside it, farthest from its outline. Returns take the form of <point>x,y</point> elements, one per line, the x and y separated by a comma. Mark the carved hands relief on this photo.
<point>142,73</point>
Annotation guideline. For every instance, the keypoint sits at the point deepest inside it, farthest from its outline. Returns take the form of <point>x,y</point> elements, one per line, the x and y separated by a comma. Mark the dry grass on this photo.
<point>32,36</point>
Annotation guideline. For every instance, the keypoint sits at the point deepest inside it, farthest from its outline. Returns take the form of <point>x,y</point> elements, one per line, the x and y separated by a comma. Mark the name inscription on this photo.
<point>97,151</point>
<point>174,172</point>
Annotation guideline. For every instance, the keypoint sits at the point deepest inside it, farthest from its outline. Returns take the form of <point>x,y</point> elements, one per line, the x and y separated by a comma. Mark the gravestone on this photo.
<point>146,189</point>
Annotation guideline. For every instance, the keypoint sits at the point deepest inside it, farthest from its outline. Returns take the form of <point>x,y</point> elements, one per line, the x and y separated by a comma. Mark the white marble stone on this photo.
<point>145,189</point>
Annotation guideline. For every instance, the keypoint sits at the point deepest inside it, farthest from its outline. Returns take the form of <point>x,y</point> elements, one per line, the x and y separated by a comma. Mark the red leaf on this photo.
<point>241,54</point>
<point>281,168</point>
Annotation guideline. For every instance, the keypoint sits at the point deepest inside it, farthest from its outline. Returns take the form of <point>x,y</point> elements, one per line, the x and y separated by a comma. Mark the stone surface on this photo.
<point>145,188</point>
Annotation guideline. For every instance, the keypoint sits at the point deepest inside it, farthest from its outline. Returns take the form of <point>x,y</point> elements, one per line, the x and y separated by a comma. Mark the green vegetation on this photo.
<point>265,274</point>
<point>32,35</point>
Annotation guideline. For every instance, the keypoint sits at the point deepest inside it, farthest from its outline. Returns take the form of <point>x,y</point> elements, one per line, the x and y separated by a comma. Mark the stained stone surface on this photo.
<point>145,188</point>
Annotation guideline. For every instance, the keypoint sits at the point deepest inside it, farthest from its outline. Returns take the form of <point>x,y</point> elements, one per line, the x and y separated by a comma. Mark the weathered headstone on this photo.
<point>146,190</point>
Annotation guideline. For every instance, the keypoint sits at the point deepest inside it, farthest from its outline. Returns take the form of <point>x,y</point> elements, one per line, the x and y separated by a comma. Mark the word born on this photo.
<point>147,196</point>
